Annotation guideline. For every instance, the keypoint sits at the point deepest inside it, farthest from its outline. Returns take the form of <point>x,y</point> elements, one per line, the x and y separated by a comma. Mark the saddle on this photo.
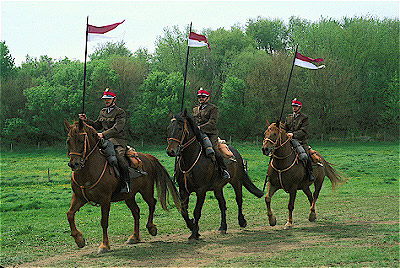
<point>225,151</point>
<point>135,163</point>
<point>314,156</point>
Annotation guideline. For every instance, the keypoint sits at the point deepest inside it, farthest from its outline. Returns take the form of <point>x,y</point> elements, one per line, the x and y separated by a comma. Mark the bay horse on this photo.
<point>94,181</point>
<point>285,171</point>
<point>195,172</point>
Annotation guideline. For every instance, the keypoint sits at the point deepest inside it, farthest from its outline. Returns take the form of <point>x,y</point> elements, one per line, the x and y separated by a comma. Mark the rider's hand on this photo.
<point>100,135</point>
<point>82,117</point>
<point>290,135</point>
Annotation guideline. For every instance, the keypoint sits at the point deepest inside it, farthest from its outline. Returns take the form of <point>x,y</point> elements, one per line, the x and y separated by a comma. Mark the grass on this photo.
<point>357,226</point>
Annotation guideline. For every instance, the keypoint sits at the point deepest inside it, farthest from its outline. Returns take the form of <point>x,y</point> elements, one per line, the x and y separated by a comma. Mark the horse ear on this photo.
<point>267,122</point>
<point>184,114</point>
<point>170,114</point>
<point>67,125</point>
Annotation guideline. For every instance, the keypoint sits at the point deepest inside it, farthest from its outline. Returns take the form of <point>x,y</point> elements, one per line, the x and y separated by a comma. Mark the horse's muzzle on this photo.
<point>170,152</point>
<point>74,165</point>
<point>266,150</point>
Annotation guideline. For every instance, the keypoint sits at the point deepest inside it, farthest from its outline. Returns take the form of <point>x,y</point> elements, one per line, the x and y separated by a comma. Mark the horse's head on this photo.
<point>81,138</point>
<point>274,137</point>
<point>180,130</point>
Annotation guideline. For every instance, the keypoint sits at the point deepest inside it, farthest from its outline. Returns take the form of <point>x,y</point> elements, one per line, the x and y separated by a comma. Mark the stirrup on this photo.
<point>125,189</point>
<point>225,174</point>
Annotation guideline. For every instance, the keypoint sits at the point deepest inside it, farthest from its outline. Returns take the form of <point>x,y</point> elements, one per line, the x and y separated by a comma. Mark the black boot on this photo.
<point>125,180</point>
<point>221,164</point>
<point>309,170</point>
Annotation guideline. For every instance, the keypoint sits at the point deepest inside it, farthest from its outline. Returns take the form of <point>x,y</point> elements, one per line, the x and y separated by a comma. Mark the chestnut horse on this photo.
<point>197,173</point>
<point>285,171</point>
<point>93,181</point>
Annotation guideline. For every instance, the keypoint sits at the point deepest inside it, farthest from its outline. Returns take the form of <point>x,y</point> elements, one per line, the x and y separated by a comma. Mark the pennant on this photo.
<point>307,62</point>
<point>197,40</point>
<point>97,32</point>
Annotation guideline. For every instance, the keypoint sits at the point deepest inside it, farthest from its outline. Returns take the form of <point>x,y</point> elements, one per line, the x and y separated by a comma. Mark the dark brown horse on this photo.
<point>285,171</point>
<point>94,181</point>
<point>197,173</point>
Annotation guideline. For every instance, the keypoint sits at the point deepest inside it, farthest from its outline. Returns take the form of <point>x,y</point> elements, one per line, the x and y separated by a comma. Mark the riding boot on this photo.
<point>309,170</point>
<point>125,180</point>
<point>224,169</point>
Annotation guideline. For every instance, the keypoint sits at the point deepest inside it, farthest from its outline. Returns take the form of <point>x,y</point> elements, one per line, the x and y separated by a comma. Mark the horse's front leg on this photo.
<point>271,189</point>
<point>185,208</point>
<point>219,194</point>
<point>76,204</point>
<point>105,212</point>
<point>197,214</point>
<point>135,210</point>
<point>292,198</point>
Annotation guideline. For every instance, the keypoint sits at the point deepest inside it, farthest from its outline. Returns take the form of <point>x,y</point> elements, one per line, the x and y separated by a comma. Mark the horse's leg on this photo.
<point>148,196</point>
<point>311,215</point>
<point>105,212</point>
<point>237,187</point>
<point>317,188</point>
<point>133,206</point>
<point>219,194</point>
<point>76,204</point>
<point>270,192</point>
<point>185,206</point>
<point>292,198</point>
<point>201,196</point>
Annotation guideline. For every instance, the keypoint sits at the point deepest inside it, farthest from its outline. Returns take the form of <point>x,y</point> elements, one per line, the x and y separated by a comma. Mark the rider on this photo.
<point>296,126</point>
<point>112,120</point>
<point>206,115</point>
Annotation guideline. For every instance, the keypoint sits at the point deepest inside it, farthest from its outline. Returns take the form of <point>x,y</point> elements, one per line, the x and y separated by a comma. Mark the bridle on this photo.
<point>84,157</point>
<point>182,147</point>
<point>279,144</point>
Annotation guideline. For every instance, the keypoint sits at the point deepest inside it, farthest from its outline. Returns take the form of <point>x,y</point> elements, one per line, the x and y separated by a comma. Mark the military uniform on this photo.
<point>206,116</point>
<point>298,125</point>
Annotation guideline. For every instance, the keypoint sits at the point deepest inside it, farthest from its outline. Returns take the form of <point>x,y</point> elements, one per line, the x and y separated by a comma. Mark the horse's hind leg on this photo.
<point>239,201</point>
<point>105,212</point>
<point>148,196</point>
<point>133,206</point>
<point>318,185</point>
<point>76,204</point>
<point>219,194</point>
<point>270,192</point>
<point>311,215</point>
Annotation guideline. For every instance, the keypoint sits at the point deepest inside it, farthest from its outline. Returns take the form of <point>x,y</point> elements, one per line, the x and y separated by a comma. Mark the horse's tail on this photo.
<point>336,178</point>
<point>248,184</point>
<point>164,184</point>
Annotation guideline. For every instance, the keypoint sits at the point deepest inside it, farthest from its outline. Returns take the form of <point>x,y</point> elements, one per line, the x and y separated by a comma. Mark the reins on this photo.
<point>274,156</point>
<point>84,158</point>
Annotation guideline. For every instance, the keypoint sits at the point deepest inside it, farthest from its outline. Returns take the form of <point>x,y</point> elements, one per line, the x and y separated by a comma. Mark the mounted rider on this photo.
<point>111,121</point>
<point>296,126</point>
<point>206,116</point>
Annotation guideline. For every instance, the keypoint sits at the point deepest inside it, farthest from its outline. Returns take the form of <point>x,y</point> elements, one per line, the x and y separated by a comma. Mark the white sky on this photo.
<point>57,28</point>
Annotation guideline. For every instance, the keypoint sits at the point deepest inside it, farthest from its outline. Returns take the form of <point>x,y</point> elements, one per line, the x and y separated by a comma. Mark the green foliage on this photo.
<point>356,95</point>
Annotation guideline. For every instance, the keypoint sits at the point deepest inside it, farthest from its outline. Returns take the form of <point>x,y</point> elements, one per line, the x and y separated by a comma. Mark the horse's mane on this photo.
<point>81,125</point>
<point>192,123</point>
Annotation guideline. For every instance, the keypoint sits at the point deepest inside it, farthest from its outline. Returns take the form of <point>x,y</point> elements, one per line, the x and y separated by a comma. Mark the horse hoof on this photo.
<point>242,223</point>
<point>288,226</point>
<point>152,230</point>
<point>101,250</point>
<point>312,216</point>
<point>133,241</point>
<point>81,243</point>
<point>272,220</point>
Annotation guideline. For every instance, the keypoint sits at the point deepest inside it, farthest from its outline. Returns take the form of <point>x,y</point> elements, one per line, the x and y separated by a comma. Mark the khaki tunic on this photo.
<point>207,121</point>
<point>299,127</point>
<point>112,124</point>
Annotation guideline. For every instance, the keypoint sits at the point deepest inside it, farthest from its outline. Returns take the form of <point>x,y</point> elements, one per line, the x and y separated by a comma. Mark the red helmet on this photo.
<point>295,102</point>
<point>203,92</point>
<point>108,94</point>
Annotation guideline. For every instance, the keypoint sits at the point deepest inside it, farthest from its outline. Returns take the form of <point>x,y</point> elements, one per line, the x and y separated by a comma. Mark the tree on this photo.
<point>6,61</point>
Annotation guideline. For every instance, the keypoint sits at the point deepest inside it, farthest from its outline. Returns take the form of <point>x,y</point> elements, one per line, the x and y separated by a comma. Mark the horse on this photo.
<point>195,172</point>
<point>286,172</point>
<point>94,181</point>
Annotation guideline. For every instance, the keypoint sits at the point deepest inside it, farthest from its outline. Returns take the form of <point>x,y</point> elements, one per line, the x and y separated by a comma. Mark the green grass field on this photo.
<point>356,226</point>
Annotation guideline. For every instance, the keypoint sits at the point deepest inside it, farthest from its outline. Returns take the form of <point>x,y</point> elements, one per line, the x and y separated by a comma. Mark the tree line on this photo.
<point>246,71</point>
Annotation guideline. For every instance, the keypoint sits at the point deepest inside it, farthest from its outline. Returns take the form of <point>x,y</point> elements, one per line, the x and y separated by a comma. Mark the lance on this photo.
<point>84,67</point>
<point>185,73</point>
<point>287,88</point>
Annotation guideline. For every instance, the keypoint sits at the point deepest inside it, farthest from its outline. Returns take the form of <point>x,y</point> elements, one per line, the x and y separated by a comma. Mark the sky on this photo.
<point>57,28</point>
